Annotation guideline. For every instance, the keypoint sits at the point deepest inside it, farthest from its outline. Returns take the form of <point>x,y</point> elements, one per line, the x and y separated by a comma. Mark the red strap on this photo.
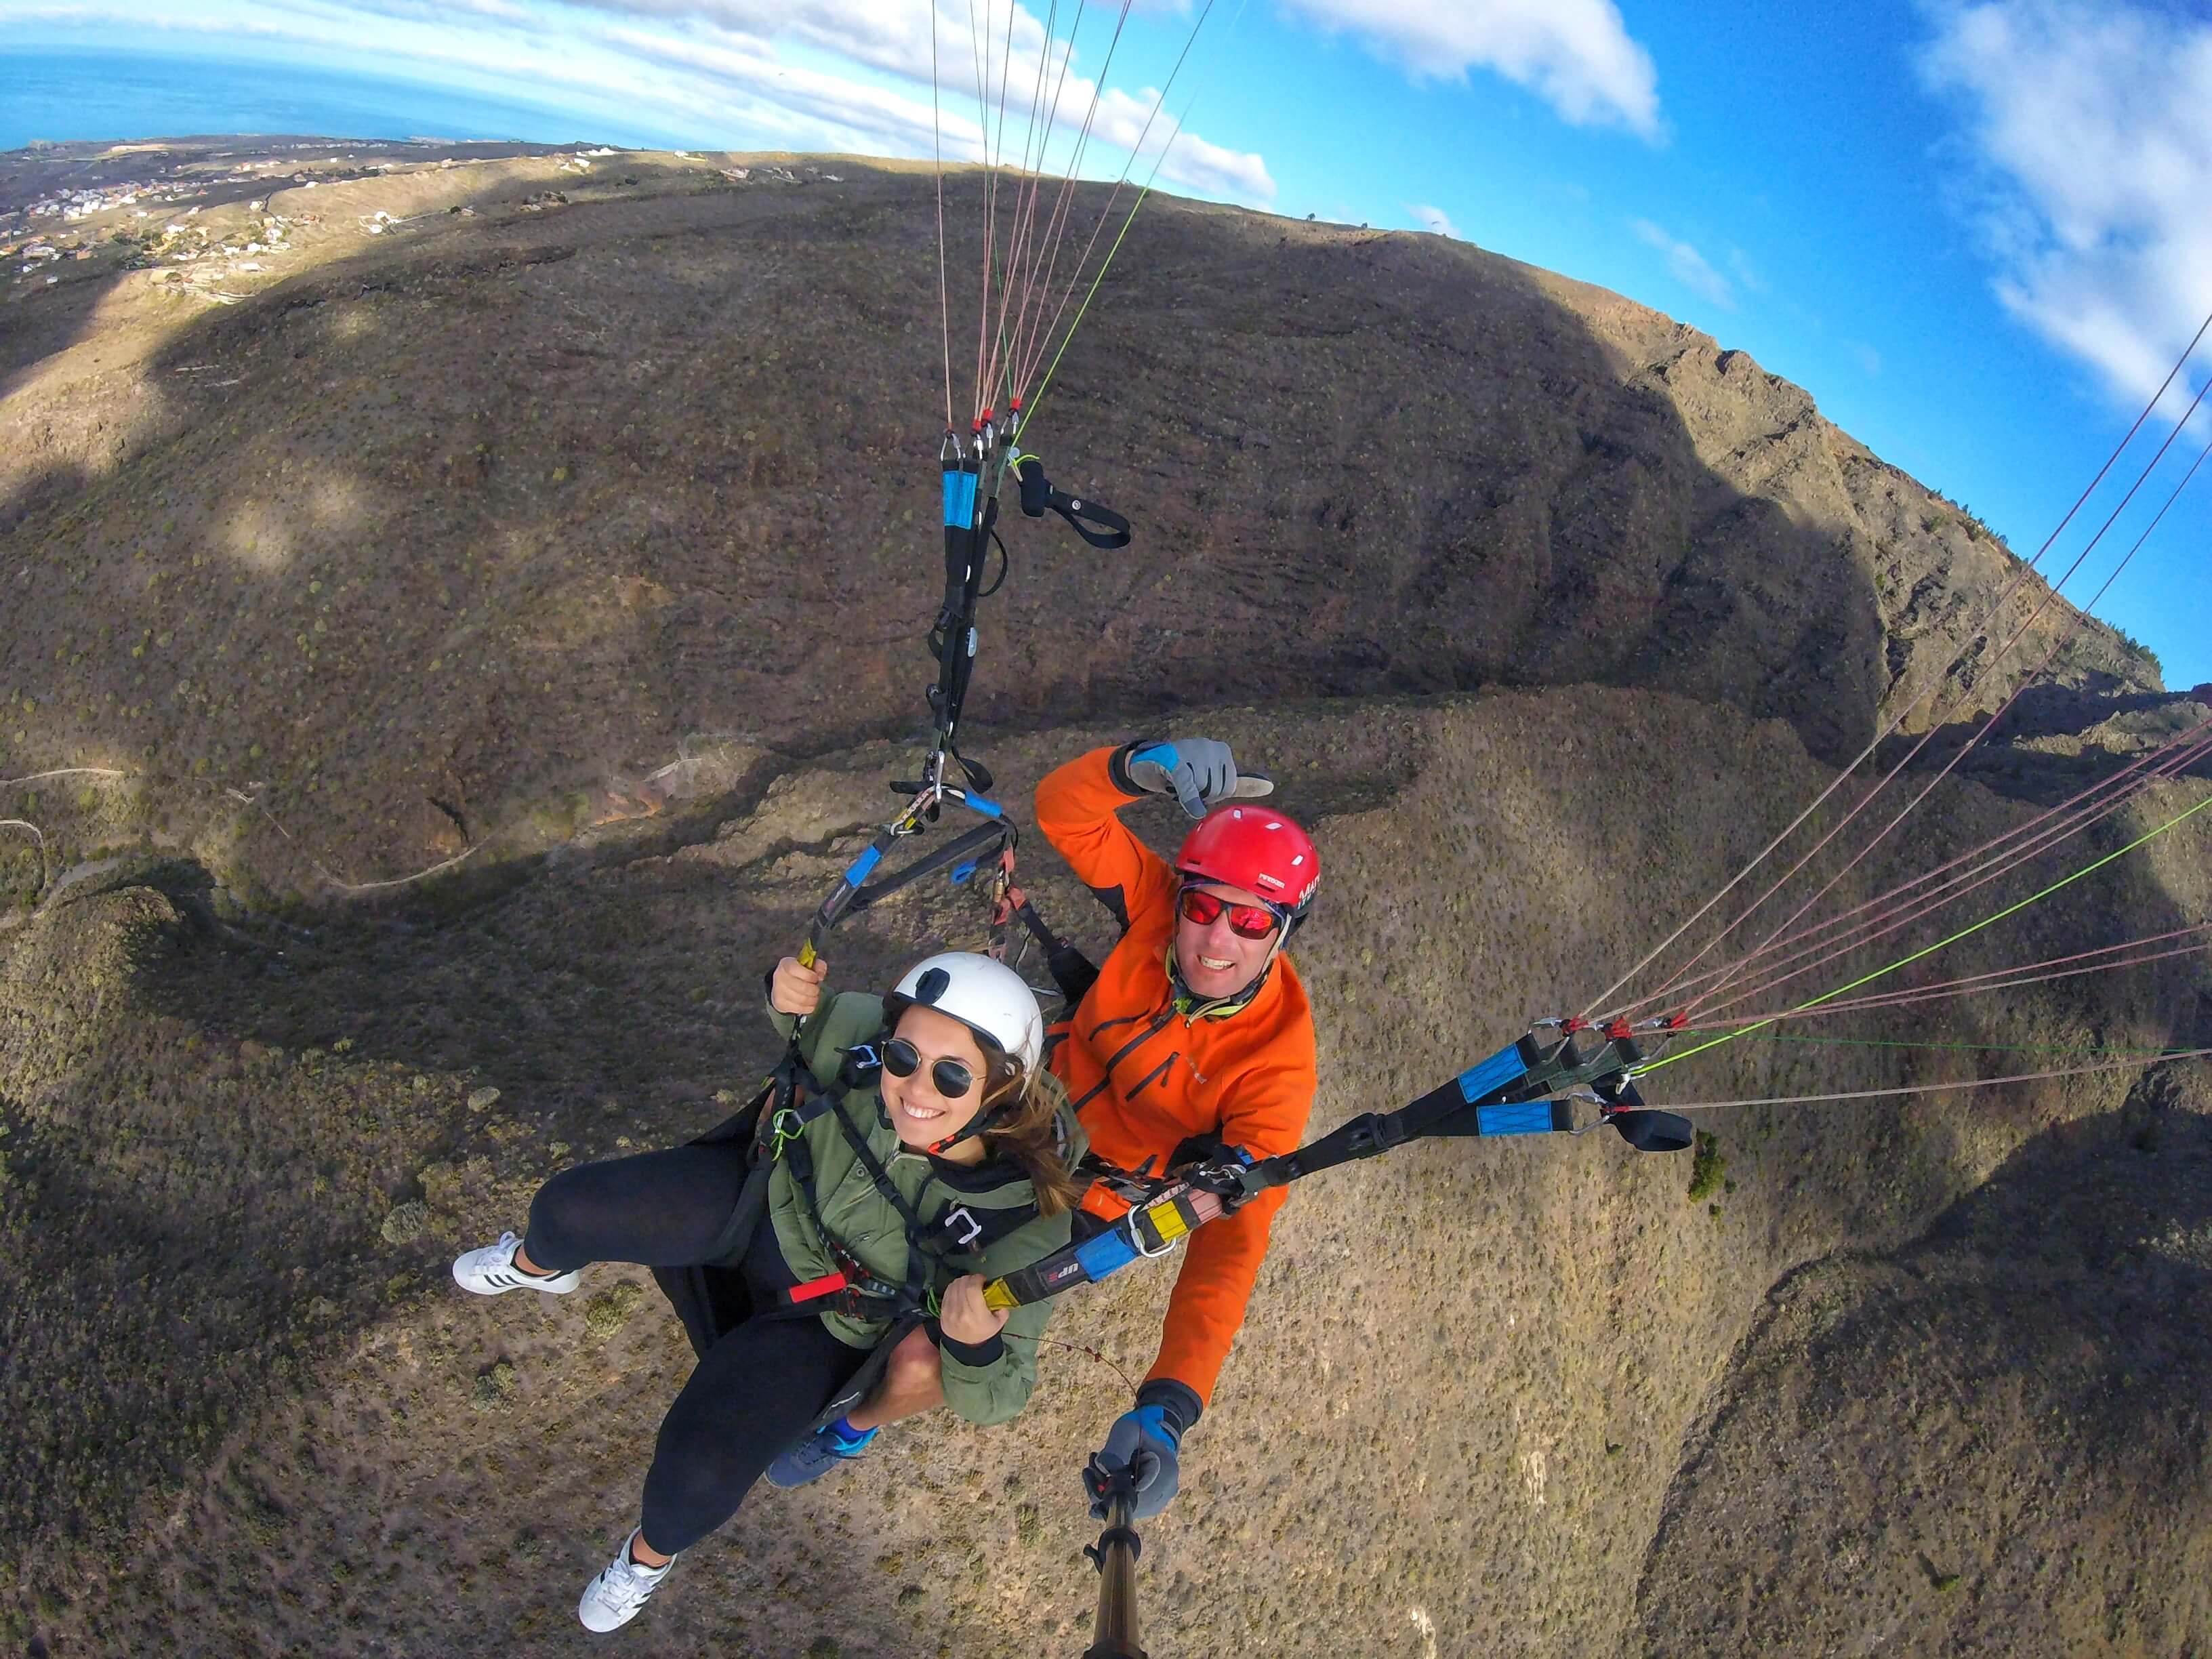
<point>827,1285</point>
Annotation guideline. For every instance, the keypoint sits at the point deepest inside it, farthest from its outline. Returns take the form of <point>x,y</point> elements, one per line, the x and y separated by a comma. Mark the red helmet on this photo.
<point>1240,844</point>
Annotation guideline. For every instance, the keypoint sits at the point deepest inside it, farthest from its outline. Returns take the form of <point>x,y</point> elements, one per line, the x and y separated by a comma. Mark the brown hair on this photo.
<point>1028,1131</point>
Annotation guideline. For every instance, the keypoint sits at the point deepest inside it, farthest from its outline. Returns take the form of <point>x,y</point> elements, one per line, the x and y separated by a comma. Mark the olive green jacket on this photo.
<point>992,1382</point>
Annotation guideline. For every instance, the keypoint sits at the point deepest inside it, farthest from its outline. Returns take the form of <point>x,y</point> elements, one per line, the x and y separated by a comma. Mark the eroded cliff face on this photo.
<point>433,530</point>
<point>1992,1438</point>
<point>241,1154</point>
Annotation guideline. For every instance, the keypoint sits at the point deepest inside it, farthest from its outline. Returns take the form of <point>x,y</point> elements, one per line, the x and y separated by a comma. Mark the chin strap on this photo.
<point>981,1124</point>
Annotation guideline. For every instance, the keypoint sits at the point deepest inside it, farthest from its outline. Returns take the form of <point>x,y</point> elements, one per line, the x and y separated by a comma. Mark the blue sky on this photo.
<point>1976,233</point>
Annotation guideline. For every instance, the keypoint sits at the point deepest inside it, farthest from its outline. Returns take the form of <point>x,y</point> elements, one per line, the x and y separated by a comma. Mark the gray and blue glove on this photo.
<point>1146,1442</point>
<point>1198,772</point>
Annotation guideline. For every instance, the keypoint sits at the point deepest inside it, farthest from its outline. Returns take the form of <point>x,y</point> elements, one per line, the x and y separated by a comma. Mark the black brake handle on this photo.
<point>1097,524</point>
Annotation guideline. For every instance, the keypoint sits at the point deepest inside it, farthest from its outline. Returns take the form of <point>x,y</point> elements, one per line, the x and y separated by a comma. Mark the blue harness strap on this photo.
<point>1528,1117</point>
<point>959,498</point>
<point>1487,1077</point>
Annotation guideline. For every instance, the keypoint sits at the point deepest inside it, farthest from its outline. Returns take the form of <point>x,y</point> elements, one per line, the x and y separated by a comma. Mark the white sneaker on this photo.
<point>614,1598</point>
<point>491,1272</point>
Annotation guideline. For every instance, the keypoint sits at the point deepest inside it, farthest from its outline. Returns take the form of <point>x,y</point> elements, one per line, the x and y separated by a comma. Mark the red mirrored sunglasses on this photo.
<point>1245,920</point>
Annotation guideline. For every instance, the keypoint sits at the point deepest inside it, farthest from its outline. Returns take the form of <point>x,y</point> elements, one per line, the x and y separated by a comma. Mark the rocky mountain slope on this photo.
<point>1991,1439</point>
<point>571,539</point>
<point>495,479</point>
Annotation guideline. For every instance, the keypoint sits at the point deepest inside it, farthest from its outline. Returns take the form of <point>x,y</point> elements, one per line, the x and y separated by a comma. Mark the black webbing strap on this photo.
<point>952,637</point>
<point>969,845</point>
<point>1072,972</point>
<point>1097,524</point>
<point>921,1256</point>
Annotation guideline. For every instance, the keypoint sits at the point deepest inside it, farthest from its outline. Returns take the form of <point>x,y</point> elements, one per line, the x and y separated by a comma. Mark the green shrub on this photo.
<point>1707,1168</point>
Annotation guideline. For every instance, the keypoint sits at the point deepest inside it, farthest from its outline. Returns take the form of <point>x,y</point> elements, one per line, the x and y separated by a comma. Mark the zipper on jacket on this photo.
<point>1154,1075</point>
<point>1106,1025</point>
<point>1159,1024</point>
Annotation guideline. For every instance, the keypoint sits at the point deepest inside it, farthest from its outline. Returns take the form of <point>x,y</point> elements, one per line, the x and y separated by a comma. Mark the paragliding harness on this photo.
<point>711,1299</point>
<point>1530,1087</point>
<point>852,1289</point>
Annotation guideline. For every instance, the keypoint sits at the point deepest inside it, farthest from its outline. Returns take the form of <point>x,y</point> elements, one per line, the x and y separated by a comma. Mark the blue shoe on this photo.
<point>816,1455</point>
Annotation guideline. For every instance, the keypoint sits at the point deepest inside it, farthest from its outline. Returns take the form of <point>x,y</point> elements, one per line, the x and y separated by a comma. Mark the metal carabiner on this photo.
<point>1137,1239</point>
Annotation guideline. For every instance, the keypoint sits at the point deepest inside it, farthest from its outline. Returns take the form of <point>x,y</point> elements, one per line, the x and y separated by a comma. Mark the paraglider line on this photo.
<point>2007,980</point>
<point>944,295</point>
<point>1106,264</point>
<point>2080,617</point>
<point>1979,1048</point>
<point>1973,635</point>
<point>1929,951</point>
<point>1931,1088</point>
<point>2162,764</point>
<point>1882,925</point>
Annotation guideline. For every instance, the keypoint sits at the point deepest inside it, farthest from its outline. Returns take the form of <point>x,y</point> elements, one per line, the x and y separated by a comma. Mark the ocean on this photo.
<point>61,96</point>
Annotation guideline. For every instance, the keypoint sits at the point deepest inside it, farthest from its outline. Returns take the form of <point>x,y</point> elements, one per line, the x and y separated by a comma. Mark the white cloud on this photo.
<point>852,75</point>
<point>1006,52</point>
<point>1433,219</point>
<point>1686,265</point>
<point>1869,358</point>
<point>1746,272</point>
<point>1576,55</point>
<point>2091,159</point>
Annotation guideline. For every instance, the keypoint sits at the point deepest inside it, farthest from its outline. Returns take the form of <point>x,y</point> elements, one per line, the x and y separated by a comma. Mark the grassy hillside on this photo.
<point>440,668</point>
<point>240,1156</point>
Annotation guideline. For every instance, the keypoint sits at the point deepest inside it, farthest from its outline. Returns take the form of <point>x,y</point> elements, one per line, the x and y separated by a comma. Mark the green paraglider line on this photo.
<point>1929,951</point>
<point>1044,384</point>
<point>1980,1048</point>
<point>1108,265</point>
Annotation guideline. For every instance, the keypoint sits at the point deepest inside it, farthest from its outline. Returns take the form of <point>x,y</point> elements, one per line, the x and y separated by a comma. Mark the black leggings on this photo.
<point>759,1388</point>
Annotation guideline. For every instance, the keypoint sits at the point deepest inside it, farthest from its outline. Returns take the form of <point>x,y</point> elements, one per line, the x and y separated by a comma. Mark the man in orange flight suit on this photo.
<point>1197,1029</point>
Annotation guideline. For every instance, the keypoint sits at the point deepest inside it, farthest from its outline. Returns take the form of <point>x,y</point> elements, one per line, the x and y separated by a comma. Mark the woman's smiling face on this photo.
<point>920,1112</point>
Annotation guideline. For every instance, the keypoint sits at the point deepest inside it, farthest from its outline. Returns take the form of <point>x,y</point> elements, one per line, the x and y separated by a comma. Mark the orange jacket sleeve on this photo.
<point>1076,808</point>
<point>1265,1115</point>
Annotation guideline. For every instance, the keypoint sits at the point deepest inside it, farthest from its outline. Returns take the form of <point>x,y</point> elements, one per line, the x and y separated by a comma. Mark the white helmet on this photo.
<point>984,995</point>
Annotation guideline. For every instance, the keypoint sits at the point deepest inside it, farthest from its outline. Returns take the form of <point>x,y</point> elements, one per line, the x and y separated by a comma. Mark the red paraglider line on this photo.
<point>1882,736</point>
<point>1822,926</point>
<point>2080,617</point>
<point>2002,979</point>
<point>2134,1064</point>
<point>1972,880</point>
<point>1025,195</point>
<point>1033,350</point>
<point>943,288</point>
<point>2176,755</point>
<point>1135,151</point>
